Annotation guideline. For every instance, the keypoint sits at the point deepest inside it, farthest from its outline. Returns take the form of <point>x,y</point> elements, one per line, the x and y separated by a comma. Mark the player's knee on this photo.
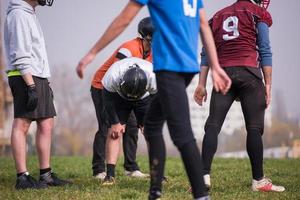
<point>181,142</point>
<point>132,123</point>
<point>45,129</point>
<point>212,128</point>
<point>152,130</point>
<point>150,135</point>
<point>131,130</point>
<point>20,125</point>
<point>255,129</point>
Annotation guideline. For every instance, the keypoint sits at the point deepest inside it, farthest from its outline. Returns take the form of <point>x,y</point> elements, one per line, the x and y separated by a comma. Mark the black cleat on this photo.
<point>154,195</point>
<point>26,181</point>
<point>51,179</point>
<point>109,180</point>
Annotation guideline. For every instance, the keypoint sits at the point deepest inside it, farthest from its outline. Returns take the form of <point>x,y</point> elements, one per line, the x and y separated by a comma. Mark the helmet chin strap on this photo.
<point>149,41</point>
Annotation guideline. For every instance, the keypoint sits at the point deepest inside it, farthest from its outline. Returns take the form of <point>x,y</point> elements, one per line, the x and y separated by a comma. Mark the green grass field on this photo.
<point>230,179</point>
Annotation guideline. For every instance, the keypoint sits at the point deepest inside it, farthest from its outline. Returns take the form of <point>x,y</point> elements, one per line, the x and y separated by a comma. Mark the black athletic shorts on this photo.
<point>124,107</point>
<point>45,108</point>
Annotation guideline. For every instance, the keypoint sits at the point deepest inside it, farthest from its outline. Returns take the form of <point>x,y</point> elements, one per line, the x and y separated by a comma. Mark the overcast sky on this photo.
<point>71,27</point>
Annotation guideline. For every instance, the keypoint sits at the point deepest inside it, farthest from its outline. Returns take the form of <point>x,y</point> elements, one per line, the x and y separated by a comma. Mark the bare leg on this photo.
<point>43,141</point>
<point>112,149</point>
<point>18,142</point>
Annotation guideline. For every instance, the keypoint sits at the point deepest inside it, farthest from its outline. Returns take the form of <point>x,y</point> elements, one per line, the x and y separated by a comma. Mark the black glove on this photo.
<point>32,99</point>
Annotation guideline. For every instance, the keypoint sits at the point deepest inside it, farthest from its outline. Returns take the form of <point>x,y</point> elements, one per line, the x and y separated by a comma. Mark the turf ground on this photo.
<point>230,179</point>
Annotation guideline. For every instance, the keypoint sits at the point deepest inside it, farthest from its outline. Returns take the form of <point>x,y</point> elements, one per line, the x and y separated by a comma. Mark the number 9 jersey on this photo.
<point>235,34</point>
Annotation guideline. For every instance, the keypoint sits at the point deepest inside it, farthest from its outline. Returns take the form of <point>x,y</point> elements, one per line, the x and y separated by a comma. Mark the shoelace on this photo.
<point>267,181</point>
<point>55,178</point>
<point>46,175</point>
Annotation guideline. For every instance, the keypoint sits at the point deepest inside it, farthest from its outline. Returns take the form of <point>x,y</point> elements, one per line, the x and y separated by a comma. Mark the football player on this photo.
<point>128,86</point>
<point>139,47</point>
<point>241,33</point>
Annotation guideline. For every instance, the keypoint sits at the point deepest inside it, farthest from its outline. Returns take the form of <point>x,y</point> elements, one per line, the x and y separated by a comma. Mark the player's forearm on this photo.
<point>117,26</point>
<point>208,41</point>
<point>267,71</point>
<point>203,76</point>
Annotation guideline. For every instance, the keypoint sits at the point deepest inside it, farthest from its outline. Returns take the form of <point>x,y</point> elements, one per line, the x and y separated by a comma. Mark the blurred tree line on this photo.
<point>280,133</point>
<point>75,124</point>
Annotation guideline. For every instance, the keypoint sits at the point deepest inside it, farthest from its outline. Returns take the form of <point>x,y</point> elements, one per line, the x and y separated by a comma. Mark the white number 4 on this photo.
<point>230,25</point>
<point>190,10</point>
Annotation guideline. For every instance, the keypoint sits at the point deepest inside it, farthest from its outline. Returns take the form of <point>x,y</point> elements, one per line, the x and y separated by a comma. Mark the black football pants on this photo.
<point>171,105</point>
<point>130,138</point>
<point>250,90</point>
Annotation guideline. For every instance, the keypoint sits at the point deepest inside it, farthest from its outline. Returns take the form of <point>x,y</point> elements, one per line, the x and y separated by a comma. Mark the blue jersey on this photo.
<point>175,41</point>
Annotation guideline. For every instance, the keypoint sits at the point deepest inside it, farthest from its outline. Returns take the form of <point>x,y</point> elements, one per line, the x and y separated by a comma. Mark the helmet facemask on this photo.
<point>148,39</point>
<point>262,3</point>
<point>146,29</point>
<point>45,2</point>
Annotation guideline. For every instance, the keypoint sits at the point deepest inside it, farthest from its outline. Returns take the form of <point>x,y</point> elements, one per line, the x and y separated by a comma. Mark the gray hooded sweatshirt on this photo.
<point>24,41</point>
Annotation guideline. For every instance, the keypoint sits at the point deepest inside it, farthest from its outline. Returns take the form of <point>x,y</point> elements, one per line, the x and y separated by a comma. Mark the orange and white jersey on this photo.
<point>132,48</point>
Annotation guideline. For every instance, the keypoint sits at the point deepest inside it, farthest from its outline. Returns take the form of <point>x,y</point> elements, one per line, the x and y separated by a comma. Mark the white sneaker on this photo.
<point>100,176</point>
<point>136,174</point>
<point>206,178</point>
<point>266,185</point>
<point>203,198</point>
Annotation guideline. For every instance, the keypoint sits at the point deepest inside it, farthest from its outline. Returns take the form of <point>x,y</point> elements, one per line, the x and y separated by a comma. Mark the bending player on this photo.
<point>128,85</point>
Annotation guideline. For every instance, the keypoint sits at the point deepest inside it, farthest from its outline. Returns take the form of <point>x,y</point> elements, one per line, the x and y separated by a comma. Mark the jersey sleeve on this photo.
<point>127,50</point>
<point>152,87</point>
<point>200,4</point>
<point>124,53</point>
<point>142,2</point>
<point>263,43</point>
<point>20,43</point>
<point>112,78</point>
<point>266,18</point>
